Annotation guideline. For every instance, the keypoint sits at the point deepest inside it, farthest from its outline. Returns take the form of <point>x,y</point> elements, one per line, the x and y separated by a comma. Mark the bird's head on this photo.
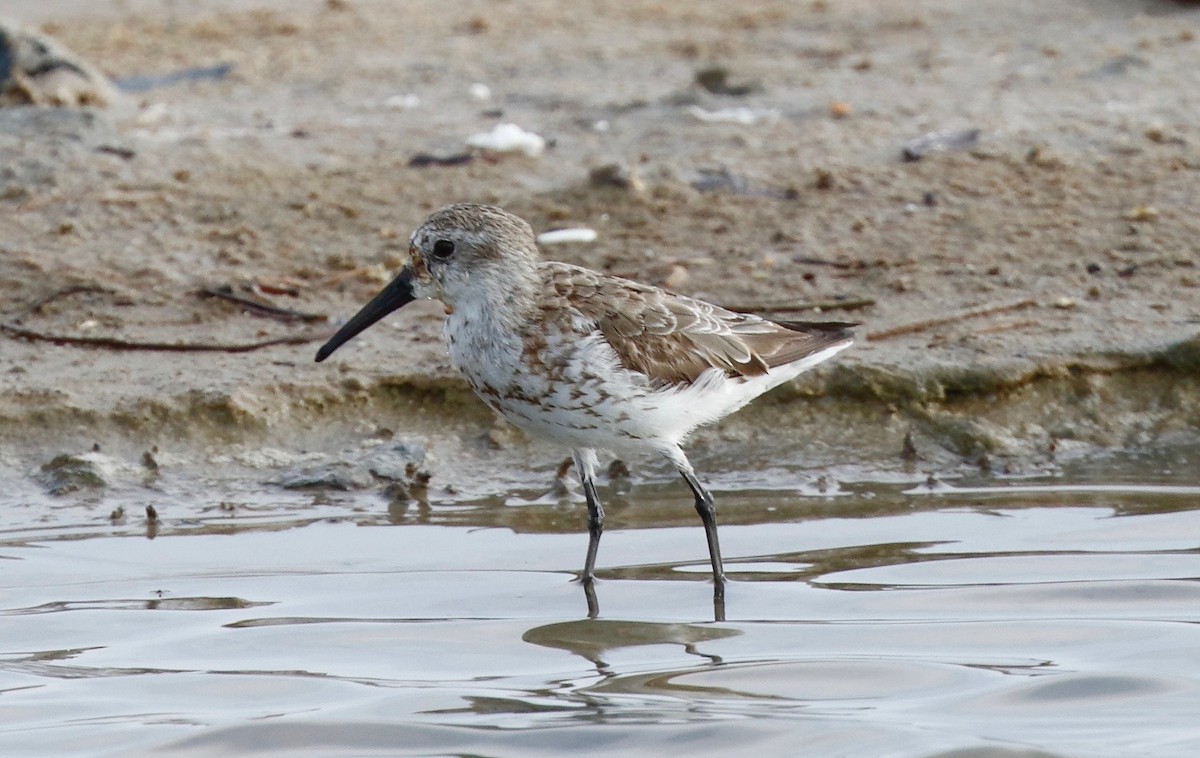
<point>459,252</point>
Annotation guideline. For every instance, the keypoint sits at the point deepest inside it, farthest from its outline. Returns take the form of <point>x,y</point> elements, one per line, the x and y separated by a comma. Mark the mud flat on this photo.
<point>1005,198</point>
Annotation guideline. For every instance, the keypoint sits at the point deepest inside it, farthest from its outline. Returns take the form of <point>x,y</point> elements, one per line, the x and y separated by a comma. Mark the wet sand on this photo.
<point>1034,289</point>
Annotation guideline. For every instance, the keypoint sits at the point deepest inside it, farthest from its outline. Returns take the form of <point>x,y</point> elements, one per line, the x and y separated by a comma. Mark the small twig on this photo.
<point>807,261</point>
<point>263,309</point>
<point>37,305</point>
<point>920,326</point>
<point>113,343</point>
<point>421,160</point>
<point>848,304</point>
<point>121,152</point>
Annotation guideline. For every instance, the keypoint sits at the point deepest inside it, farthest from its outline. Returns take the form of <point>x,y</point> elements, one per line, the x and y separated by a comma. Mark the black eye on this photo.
<point>443,249</point>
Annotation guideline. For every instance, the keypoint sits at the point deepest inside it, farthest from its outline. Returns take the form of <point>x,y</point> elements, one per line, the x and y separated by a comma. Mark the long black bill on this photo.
<point>393,297</point>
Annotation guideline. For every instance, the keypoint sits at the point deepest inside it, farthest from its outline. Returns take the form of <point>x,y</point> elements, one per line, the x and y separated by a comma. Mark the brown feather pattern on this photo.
<point>674,339</point>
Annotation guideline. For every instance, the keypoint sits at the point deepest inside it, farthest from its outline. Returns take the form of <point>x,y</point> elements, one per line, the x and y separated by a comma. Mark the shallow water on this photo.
<point>988,616</point>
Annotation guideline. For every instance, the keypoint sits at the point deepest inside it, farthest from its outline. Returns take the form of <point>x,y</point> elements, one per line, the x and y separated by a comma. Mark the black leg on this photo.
<point>585,463</point>
<point>595,527</point>
<point>708,515</point>
<point>595,513</point>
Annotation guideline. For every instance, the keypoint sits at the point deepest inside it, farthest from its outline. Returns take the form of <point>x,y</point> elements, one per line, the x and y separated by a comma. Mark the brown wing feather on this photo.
<point>674,339</point>
<point>799,339</point>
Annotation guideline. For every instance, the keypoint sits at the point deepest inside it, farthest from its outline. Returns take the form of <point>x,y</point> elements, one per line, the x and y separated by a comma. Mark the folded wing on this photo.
<point>674,339</point>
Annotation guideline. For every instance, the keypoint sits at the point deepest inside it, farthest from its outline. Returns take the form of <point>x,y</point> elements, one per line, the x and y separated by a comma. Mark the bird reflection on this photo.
<point>593,639</point>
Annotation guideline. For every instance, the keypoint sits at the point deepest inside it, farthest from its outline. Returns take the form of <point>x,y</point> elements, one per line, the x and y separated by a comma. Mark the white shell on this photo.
<point>559,236</point>
<point>508,138</point>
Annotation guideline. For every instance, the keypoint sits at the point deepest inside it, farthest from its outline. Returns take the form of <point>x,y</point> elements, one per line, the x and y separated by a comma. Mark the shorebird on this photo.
<point>588,360</point>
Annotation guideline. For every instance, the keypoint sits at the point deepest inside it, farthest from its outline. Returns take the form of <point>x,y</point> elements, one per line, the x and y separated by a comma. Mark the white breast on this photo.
<point>486,355</point>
